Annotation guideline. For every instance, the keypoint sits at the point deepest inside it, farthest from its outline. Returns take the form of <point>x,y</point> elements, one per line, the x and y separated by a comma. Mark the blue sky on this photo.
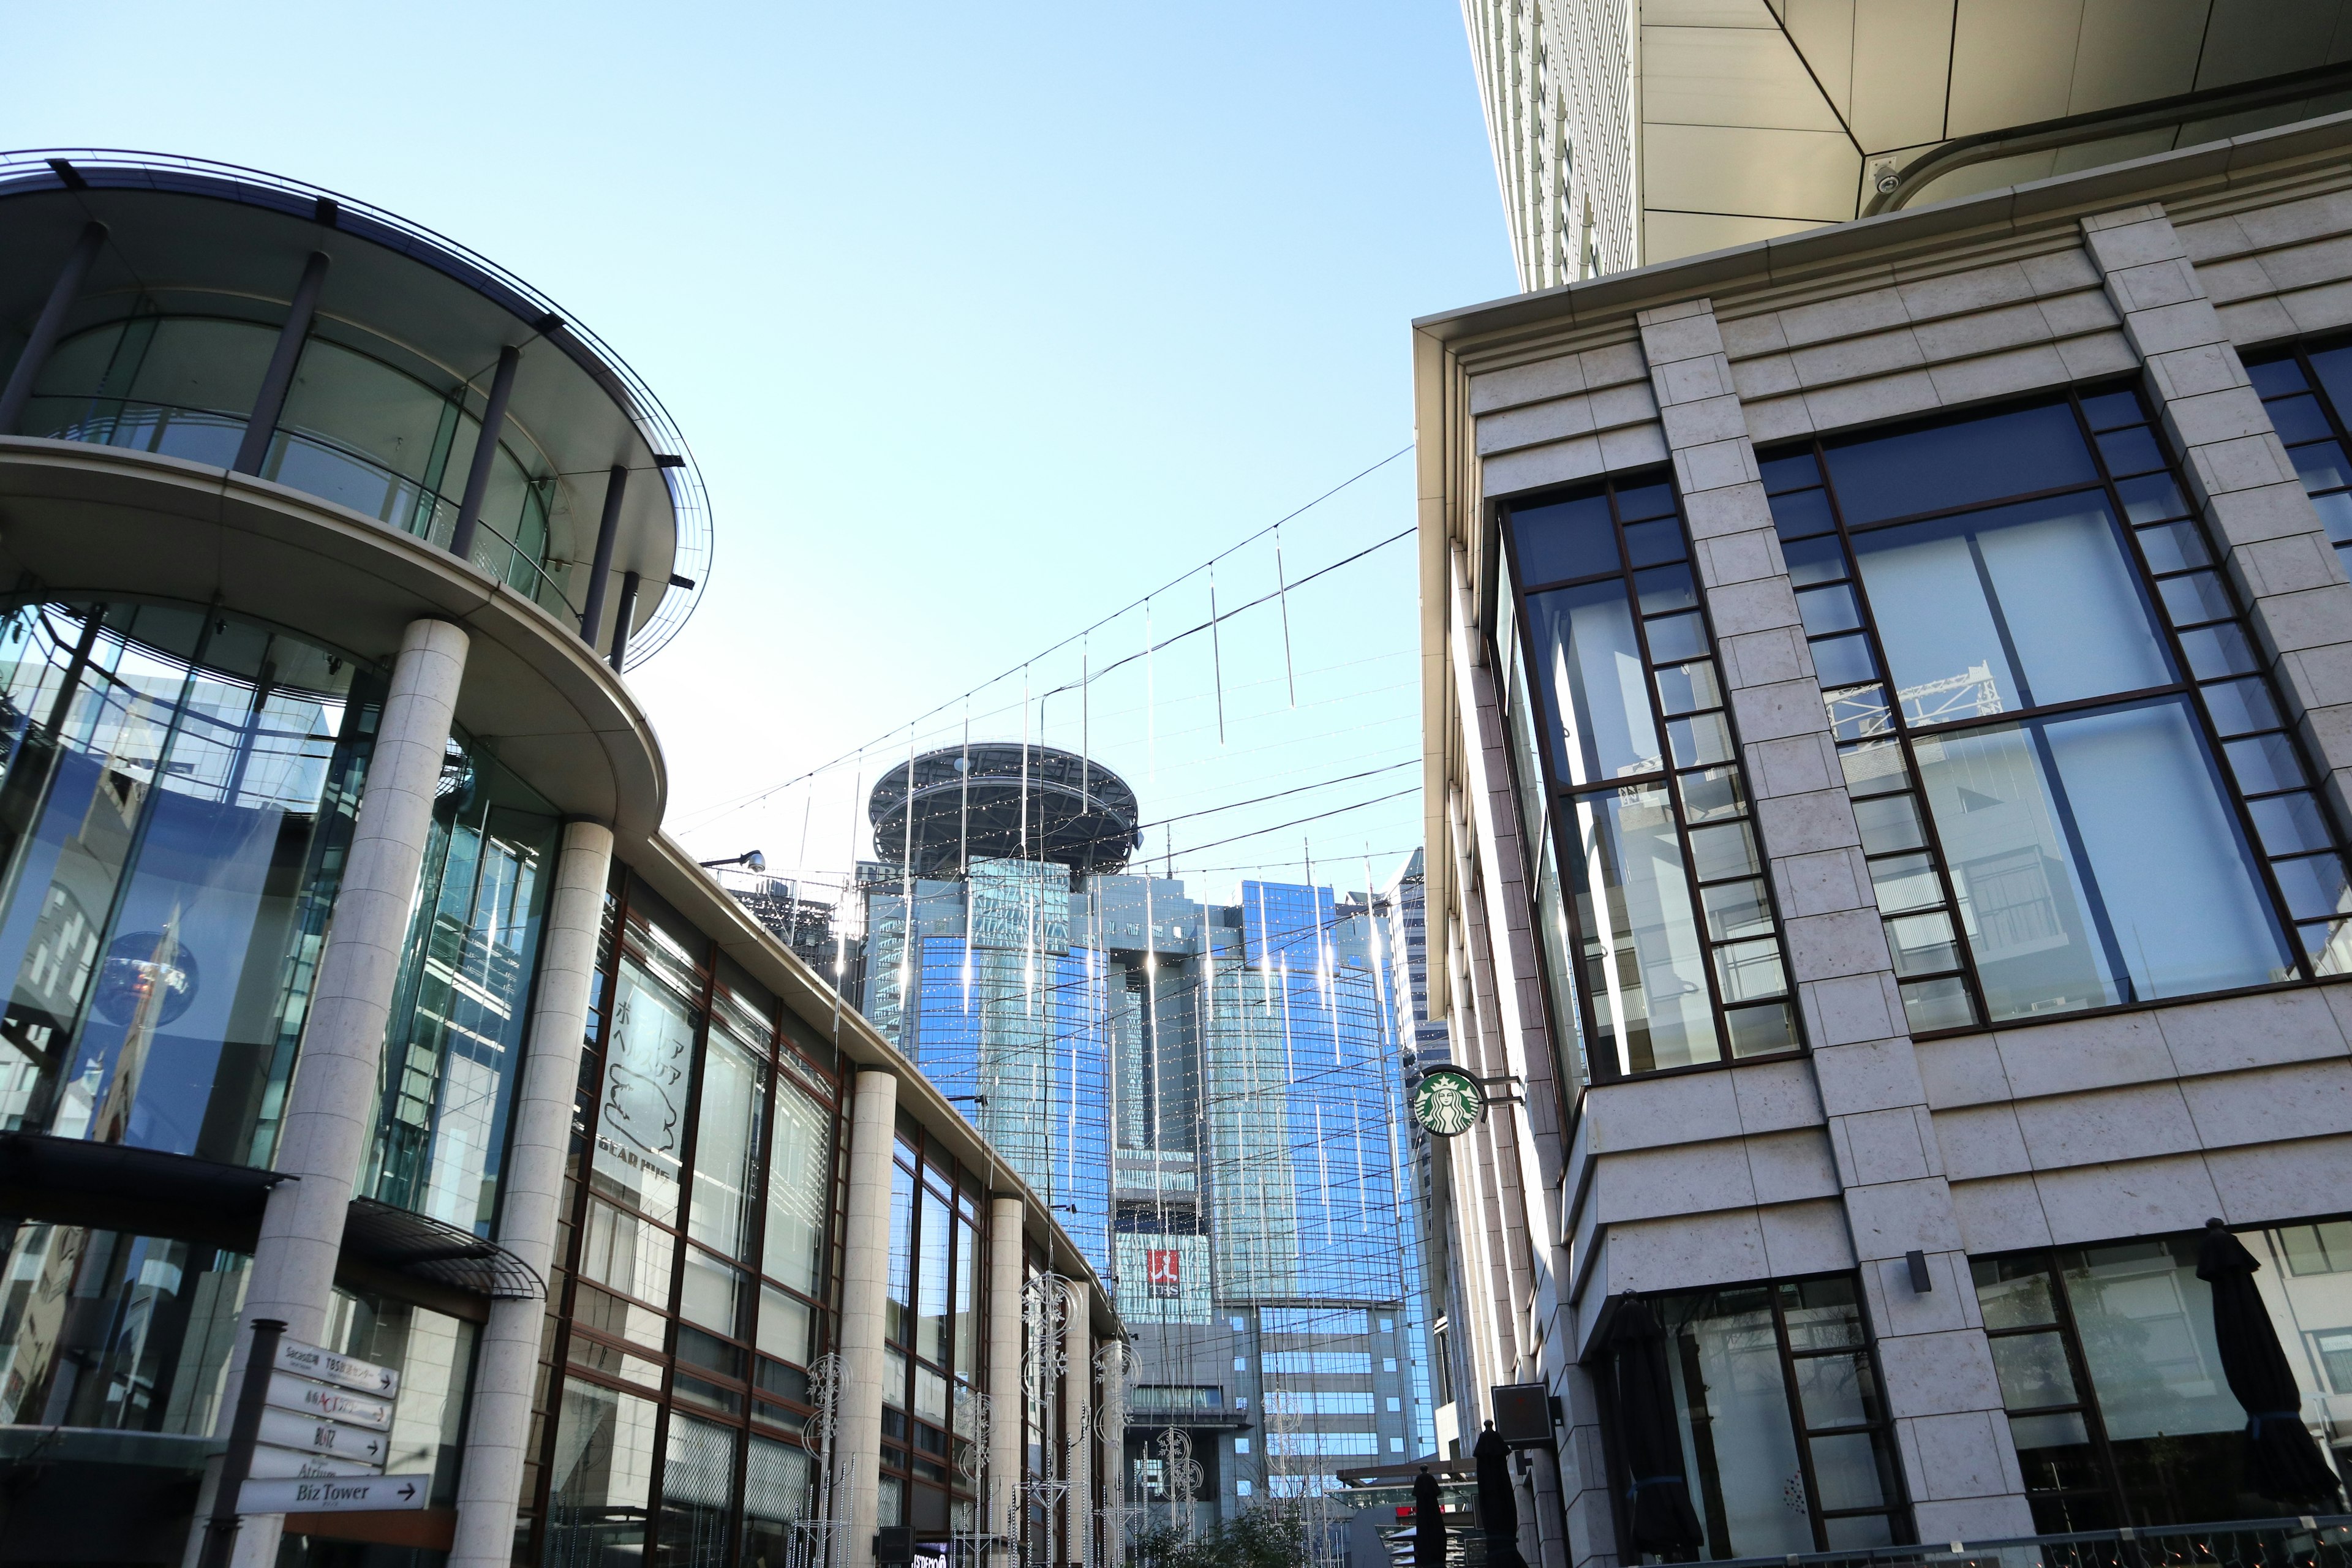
<point>981,322</point>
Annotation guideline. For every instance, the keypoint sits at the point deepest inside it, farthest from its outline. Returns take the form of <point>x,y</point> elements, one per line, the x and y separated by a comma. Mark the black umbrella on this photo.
<point>1499,1501</point>
<point>2281,1461</point>
<point>1428,1522</point>
<point>1658,1502</point>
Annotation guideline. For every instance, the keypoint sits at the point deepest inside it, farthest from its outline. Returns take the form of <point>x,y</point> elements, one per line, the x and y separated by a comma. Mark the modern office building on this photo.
<point>354,985</point>
<point>1207,1093</point>
<point>1627,133</point>
<point>1885,696</point>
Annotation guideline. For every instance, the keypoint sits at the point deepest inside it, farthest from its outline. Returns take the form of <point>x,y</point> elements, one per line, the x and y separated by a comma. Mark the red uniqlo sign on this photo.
<point>1165,1269</point>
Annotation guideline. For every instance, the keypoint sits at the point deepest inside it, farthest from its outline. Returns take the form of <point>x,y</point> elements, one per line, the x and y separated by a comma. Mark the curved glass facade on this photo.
<point>175,801</point>
<point>355,431</point>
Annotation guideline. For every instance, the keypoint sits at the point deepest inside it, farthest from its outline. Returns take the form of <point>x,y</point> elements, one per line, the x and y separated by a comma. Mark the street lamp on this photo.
<point>750,860</point>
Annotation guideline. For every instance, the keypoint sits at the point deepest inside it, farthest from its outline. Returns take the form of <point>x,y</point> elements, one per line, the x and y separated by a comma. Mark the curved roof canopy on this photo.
<point>187,236</point>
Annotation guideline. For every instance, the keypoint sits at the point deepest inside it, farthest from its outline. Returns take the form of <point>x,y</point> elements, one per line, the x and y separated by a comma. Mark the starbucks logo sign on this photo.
<point>1448,1102</point>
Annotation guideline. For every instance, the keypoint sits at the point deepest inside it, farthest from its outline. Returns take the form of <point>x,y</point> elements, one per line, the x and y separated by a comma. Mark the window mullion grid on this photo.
<point>1899,732</point>
<point>1674,773</point>
<point>2160,612</point>
<point>1796,1419</point>
<point>2093,1423</point>
<point>2080,1405</point>
<point>2317,390</point>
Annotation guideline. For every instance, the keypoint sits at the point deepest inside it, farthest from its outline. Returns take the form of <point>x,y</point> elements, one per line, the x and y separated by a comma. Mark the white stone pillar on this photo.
<point>506,1367</point>
<point>1078,1391</point>
<point>332,1106</point>
<point>864,1281</point>
<point>1008,1409</point>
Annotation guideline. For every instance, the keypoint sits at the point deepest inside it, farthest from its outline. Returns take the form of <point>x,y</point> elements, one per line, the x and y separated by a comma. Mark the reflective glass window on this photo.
<point>727,1145</point>
<point>600,1491</point>
<point>800,1189</point>
<point>640,1124</point>
<point>698,1494</point>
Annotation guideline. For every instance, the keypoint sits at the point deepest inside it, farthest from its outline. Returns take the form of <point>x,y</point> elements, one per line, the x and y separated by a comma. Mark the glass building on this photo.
<point>1890,743</point>
<point>352,984</point>
<point>1208,1094</point>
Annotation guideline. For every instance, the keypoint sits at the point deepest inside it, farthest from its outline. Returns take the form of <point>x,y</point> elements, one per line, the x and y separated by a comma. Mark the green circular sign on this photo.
<point>1448,1102</point>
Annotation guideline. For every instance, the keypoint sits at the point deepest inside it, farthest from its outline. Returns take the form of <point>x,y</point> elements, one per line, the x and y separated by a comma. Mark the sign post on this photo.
<point>252,1397</point>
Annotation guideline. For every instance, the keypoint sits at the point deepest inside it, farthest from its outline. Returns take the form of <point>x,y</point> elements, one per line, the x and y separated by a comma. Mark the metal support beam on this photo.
<point>49,324</point>
<point>622,618</point>
<point>608,528</point>
<point>279,378</point>
<point>486,451</point>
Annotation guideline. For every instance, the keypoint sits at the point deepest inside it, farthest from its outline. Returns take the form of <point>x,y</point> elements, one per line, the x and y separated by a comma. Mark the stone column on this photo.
<point>506,1367</point>
<point>330,1108</point>
<point>2239,477</point>
<point>1007,1447</point>
<point>865,1284</point>
<point>1953,1436</point>
<point>1078,1434</point>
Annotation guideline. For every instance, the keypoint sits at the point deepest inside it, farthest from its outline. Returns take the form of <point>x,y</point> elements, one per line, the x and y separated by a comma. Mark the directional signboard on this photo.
<point>310,1434</point>
<point>300,1393</point>
<point>280,1464</point>
<point>333,1366</point>
<point>334,1496</point>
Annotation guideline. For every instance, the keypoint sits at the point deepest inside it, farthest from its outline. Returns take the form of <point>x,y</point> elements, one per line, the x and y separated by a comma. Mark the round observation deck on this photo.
<point>183,279</point>
<point>973,804</point>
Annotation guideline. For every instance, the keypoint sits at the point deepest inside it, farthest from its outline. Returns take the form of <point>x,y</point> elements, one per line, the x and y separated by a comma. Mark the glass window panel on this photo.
<point>2197,596</point>
<point>1700,740</point>
<point>1790,470</point>
<point>1813,560</point>
<point>1664,588</point>
<point>2174,546</point>
<point>1676,637</point>
<point>1805,515</point>
<point>1687,688</point>
<point>1711,794</point>
<point>2008,608</point>
<point>1737,909</point>
<point>2313,886</point>
<point>698,1510</point>
<point>2241,706</point>
<point>2264,762</point>
<point>2335,515</point>
<point>1937,1004</point>
<point>620,1250</point>
<point>601,1480</point>
<point>1924,944</point>
<point>1859,1532</point>
<point>713,1294</point>
<point>2320,465</point>
<point>1731,1407</point>
<point>2147,846</point>
<point>2013,1292</point>
<point>1889,822</point>
<point>2145,1323</point>
<point>893,1384</point>
<point>1723,851</point>
<point>931,1294</point>
<point>930,1396</point>
<point>1845,661</point>
<point>2290,823</point>
<point>898,1308</point>
<point>2273,376</point>
<point>1848,1472</point>
<point>1873,767</point>
<point>2032,1371</point>
<point>1821,1314</point>
<point>709,1351</point>
<point>1750,971</point>
<point>649,1063</point>
<point>1590,668</point>
<point>1635,502</point>
<point>1830,609</point>
<point>2328,945</point>
<point>1643,957</point>
<point>967,1303</point>
<point>2108,409</point>
<point>775,1493</point>
<point>1905,882</point>
<point>2219,650</point>
<point>784,1327</point>
<point>2299,419</point>
<point>726,1146</point>
<point>2334,368</point>
<point>800,1189</point>
<point>1761,1030</point>
<point>1567,538</point>
<point>1654,543</point>
<point>2133,451</point>
<point>1943,466</point>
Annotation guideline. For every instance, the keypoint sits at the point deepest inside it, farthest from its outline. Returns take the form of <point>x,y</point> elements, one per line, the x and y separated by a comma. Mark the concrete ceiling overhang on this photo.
<point>200,241</point>
<point>1760,118</point>
<point>78,520</point>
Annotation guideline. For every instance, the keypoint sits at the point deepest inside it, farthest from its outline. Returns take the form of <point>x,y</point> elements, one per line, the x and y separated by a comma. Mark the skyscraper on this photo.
<point>1208,1092</point>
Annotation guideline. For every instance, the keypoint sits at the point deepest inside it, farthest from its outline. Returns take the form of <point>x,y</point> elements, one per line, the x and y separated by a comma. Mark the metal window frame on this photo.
<point>2185,687</point>
<point>1562,798</point>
